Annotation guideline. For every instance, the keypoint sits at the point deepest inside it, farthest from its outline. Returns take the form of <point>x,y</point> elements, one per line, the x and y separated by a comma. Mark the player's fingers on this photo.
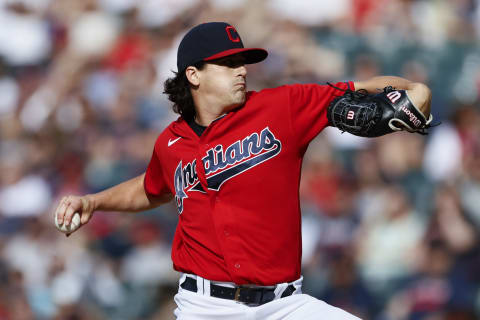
<point>60,212</point>
<point>66,204</point>
<point>85,217</point>
<point>87,212</point>
<point>69,214</point>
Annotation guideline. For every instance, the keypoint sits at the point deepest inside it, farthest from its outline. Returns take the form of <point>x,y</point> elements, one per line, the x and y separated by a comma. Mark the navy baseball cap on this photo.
<point>214,40</point>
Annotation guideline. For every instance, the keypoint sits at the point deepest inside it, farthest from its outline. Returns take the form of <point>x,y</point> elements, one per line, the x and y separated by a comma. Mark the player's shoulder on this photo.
<point>291,88</point>
<point>277,92</point>
<point>172,133</point>
<point>316,89</point>
<point>270,91</point>
<point>281,95</point>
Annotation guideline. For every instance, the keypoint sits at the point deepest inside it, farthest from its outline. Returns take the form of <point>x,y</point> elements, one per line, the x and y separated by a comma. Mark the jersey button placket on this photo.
<point>237,265</point>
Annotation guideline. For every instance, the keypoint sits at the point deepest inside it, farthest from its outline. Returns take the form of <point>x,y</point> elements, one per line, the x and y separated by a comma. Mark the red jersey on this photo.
<point>236,186</point>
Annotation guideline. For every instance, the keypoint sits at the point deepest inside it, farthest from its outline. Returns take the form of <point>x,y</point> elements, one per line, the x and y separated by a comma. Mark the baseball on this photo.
<point>74,224</point>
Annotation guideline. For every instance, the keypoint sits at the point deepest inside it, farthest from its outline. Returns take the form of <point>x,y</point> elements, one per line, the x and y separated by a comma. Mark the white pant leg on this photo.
<point>301,307</point>
<point>194,306</point>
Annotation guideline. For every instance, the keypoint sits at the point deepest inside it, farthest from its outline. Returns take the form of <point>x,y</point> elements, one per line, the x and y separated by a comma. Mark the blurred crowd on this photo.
<point>389,224</point>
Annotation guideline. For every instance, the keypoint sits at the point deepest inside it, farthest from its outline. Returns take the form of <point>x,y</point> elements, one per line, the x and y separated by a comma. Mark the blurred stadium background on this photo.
<point>390,225</point>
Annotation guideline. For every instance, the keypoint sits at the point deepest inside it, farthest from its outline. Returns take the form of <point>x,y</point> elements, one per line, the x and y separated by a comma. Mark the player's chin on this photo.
<point>236,102</point>
<point>240,96</point>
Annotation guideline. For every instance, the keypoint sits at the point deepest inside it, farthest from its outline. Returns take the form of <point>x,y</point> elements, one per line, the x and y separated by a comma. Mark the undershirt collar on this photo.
<point>198,129</point>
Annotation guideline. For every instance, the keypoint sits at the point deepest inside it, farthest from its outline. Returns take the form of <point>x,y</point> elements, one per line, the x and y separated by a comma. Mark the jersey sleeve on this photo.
<point>308,106</point>
<point>154,182</point>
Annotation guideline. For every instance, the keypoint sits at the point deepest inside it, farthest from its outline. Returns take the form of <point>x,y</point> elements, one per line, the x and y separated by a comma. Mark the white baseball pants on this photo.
<point>200,306</point>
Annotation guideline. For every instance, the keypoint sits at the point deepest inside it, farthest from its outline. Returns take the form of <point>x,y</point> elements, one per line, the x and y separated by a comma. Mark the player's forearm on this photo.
<point>376,84</point>
<point>419,93</point>
<point>128,196</point>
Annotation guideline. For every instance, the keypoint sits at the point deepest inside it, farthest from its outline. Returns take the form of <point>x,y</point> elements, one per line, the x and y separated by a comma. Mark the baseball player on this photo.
<point>232,164</point>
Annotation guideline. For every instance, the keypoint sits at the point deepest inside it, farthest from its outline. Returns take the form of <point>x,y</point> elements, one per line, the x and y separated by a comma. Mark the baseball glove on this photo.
<point>366,115</point>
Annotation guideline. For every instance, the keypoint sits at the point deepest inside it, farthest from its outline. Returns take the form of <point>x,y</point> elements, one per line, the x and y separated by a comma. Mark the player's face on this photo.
<point>223,81</point>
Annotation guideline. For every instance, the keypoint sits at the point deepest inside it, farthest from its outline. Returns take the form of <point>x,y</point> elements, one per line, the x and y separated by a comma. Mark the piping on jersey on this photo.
<point>221,165</point>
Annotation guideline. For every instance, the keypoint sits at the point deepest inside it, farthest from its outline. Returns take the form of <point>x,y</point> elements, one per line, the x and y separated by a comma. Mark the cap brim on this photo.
<point>252,55</point>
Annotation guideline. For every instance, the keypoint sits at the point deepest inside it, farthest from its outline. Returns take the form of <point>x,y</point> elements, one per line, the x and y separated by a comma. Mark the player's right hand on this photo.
<point>71,204</point>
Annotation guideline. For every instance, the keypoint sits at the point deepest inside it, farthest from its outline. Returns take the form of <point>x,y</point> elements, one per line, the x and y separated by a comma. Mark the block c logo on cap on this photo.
<point>232,34</point>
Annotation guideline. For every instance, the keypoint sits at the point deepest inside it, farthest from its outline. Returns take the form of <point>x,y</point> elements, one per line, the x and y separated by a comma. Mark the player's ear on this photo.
<point>193,75</point>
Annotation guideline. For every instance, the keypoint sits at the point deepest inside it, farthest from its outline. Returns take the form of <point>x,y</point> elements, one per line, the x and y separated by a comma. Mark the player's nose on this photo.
<point>242,70</point>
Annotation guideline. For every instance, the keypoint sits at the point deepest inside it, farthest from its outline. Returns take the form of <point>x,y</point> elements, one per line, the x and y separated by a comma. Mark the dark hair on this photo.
<point>178,91</point>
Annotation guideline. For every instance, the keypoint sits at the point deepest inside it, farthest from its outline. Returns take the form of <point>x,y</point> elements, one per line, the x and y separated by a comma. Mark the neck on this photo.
<point>205,118</point>
<point>207,111</point>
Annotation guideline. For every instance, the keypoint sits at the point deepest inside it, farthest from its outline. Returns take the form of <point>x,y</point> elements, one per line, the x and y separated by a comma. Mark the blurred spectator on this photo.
<point>26,40</point>
<point>346,289</point>
<point>441,282</point>
<point>16,182</point>
<point>430,291</point>
<point>387,243</point>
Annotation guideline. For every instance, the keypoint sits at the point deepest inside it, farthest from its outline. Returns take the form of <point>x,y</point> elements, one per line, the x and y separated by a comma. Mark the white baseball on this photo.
<point>74,224</point>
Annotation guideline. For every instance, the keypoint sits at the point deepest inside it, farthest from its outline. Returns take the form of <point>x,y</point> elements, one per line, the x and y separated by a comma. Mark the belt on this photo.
<point>247,295</point>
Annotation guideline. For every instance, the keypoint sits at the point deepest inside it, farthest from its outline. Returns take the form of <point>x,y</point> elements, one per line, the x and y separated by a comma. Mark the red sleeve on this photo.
<point>308,107</point>
<point>154,182</point>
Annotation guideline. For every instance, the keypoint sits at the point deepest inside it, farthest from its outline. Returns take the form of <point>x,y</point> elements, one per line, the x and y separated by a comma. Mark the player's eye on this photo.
<point>235,63</point>
<point>232,62</point>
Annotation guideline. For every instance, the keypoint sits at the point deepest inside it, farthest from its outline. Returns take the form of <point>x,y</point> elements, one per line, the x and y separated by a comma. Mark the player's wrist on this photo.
<point>90,203</point>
